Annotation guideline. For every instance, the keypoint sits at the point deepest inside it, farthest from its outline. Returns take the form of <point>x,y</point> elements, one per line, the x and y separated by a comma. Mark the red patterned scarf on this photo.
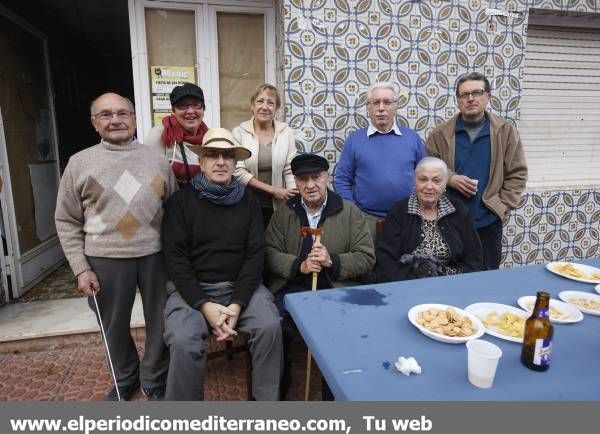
<point>173,133</point>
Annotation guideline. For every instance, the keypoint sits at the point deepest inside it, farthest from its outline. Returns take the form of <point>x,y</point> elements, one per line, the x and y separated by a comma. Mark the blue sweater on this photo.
<point>376,172</point>
<point>473,159</point>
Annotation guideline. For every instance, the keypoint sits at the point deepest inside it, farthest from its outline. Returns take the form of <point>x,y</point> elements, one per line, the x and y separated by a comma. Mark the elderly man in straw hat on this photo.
<point>214,246</point>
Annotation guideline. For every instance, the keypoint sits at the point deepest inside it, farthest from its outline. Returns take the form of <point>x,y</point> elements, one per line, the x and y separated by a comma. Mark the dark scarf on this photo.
<point>173,133</point>
<point>217,193</point>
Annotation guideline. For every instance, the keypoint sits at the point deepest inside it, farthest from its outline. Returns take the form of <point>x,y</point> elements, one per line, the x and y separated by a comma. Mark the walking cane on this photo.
<point>304,232</point>
<point>112,369</point>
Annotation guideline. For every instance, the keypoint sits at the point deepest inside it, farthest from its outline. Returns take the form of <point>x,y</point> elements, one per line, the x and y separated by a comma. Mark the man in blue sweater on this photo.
<point>377,166</point>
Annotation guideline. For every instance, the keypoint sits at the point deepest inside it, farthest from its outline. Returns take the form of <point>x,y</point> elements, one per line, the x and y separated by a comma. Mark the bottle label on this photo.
<point>541,354</point>
<point>543,313</point>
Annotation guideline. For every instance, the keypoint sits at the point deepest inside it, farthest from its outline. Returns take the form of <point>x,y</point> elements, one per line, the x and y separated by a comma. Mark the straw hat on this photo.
<point>221,139</point>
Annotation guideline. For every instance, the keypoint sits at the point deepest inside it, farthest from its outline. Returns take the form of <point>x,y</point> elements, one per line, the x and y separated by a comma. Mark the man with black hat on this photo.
<point>180,131</point>
<point>344,254</point>
<point>213,241</point>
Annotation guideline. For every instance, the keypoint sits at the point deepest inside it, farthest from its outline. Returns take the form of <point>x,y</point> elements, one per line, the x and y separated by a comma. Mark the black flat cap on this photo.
<point>304,164</point>
<point>186,89</point>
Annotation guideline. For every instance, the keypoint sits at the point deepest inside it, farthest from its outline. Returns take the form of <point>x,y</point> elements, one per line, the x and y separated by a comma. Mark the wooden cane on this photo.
<point>317,233</point>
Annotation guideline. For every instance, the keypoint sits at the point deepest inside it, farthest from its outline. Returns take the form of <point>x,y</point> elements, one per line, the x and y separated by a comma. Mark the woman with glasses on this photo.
<point>181,132</point>
<point>273,147</point>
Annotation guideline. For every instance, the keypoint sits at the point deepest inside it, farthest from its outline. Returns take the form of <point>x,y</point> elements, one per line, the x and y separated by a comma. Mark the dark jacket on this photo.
<point>205,242</point>
<point>402,234</point>
<point>345,235</point>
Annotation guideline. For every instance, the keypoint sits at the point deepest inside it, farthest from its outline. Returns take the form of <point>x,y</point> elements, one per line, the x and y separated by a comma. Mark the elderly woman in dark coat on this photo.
<point>428,234</point>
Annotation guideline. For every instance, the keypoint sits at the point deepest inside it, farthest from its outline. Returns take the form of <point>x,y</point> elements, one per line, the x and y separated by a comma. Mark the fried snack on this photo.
<point>446,322</point>
<point>506,323</point>
<point>596,276</point>
<point>585,303</point>
<point>570,270</point>
<point>555,314</point>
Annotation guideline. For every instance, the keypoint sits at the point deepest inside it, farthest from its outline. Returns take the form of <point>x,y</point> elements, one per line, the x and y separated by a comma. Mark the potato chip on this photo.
<point>506,323</point>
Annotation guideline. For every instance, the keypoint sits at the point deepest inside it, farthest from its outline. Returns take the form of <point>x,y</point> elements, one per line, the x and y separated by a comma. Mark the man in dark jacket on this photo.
<point>214,246</point>
<point>344,254</point>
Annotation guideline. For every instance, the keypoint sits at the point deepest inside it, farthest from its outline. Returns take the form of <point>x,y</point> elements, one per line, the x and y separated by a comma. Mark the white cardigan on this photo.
<point>283,149</point>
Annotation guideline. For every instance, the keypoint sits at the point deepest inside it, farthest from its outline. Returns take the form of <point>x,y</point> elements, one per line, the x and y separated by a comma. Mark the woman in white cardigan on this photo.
<point>273,147</point>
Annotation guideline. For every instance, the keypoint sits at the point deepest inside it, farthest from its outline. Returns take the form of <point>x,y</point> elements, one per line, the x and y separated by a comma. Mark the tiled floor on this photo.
<point>58,285</point>
<point>81,373</point>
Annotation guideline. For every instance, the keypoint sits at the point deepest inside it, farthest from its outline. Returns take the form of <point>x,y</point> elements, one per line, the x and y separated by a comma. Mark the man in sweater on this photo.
<point>377,165</point>
<point>488,171</point>
<point>214,245</point>
<point>108,216</point>
<point>343,256</point>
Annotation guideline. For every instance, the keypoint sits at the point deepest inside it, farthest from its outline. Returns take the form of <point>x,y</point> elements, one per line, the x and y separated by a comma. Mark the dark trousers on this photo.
<point>491,243</point>
<point>289,329</point>
<point>118,281</point>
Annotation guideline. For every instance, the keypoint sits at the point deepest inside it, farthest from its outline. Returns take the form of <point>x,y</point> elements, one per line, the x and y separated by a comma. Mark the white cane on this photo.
<point>112,369</point>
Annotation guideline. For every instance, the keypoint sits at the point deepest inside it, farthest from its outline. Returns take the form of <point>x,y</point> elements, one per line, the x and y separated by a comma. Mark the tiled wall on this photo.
<point>334,49</point>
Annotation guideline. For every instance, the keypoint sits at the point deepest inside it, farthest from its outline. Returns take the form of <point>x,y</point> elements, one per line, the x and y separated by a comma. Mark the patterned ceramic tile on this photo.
<point>334,49</point>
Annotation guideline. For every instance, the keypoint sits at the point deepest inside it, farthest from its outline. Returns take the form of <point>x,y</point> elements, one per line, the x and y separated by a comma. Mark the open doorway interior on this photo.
<point>57,57</point>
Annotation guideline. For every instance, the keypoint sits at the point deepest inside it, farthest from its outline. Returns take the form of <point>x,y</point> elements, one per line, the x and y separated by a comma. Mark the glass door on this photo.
<point>28,155</point>
<point>226,47</point>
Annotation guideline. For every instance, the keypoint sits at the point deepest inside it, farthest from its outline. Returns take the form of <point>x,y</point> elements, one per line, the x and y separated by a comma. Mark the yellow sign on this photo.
<point>163,80</point>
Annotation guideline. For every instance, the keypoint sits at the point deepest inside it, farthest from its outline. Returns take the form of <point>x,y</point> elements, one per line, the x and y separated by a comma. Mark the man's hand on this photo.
<point>283,193</point>
<point>87,283</point>
<point>231,321</point>
<point>309,266</point>
<point>217,315</point>
<point>320,254</point>
<point>464,184</point>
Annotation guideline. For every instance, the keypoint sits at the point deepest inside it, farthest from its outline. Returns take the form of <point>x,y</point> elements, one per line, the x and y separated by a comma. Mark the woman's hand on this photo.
<point>284,194</point>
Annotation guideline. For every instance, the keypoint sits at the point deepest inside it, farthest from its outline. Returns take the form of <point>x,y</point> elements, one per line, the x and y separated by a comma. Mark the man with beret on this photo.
<point>181,131</point>
<point>213,240</point>
<point>344,254</point>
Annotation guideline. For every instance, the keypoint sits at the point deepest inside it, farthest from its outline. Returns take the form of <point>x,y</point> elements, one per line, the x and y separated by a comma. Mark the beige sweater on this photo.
<point>110,203</point>
<point>283,150</point>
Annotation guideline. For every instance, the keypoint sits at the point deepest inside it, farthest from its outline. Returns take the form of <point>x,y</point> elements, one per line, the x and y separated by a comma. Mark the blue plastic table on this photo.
<point>356,334</point>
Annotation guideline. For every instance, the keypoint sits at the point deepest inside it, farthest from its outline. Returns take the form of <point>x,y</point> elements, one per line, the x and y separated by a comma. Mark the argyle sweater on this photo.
<point>110,203</point>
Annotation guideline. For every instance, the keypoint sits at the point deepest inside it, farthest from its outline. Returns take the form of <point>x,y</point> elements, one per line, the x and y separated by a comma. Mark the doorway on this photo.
<point>227,48</point>
<point>28,156</point>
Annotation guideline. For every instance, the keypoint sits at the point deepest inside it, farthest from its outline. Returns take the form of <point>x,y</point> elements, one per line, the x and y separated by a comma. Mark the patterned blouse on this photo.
<point>433,244</point>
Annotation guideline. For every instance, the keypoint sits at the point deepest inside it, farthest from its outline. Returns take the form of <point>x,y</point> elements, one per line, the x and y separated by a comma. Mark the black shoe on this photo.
<point>124,391</point>
<point>155,393</point>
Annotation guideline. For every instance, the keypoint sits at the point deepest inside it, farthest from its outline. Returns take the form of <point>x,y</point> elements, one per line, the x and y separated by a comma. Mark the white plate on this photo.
<point>567,295</point>
<point>414,311</point>
<point>581,267</point>
<point>528,301</point>
<point>481,310</point>
<point>597,288</point>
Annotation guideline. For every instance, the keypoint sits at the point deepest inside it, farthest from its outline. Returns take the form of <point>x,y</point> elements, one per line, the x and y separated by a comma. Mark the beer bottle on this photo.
<point>537,341</point>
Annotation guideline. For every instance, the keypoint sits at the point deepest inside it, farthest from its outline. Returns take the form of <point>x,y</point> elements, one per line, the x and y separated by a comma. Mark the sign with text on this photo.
<point>163,79</point>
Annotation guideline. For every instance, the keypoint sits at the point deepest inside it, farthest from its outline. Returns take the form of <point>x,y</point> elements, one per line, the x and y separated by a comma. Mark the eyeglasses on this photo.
<point>122,115</point>
<point>214,155</point>
<point>474,94</point>
<point>192,105</point>
<point>385,102</point>
<point>269,102</point>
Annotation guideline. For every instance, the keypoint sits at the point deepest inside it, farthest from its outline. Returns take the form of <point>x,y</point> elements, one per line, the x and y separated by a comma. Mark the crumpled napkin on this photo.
<point>408,365</point>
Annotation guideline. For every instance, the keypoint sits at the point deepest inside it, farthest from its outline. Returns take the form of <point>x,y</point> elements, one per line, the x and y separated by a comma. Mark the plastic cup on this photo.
<point>476,181</point>
<point>483,359</point>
